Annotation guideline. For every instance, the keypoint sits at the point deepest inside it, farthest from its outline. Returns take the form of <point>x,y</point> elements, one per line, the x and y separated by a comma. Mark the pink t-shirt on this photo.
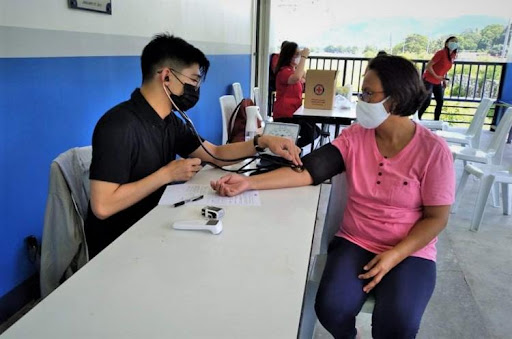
<point>386,196</point>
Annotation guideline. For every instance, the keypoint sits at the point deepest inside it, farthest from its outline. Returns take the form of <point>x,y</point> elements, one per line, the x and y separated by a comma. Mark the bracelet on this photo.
<point>302,56</point>
<point>256,145</point>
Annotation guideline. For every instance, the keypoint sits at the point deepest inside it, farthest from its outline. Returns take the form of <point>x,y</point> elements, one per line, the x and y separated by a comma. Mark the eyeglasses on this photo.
<point>366,95</point>
<point>196,81</point>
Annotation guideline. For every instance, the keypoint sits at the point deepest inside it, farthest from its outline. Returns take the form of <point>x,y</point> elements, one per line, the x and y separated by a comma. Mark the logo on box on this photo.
<point>319,89</point>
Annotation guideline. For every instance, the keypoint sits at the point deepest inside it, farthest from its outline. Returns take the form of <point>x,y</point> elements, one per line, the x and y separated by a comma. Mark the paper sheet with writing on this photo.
<point>177,193</point>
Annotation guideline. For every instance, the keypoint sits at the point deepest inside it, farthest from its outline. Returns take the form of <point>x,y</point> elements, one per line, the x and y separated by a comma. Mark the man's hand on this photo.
<point>378,267</point>
<point>182,169</point>
<point>231,185</point>
<point>283,147</point>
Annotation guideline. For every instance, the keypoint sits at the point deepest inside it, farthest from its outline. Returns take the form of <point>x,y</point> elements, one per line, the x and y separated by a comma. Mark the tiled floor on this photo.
<point>473,295</point>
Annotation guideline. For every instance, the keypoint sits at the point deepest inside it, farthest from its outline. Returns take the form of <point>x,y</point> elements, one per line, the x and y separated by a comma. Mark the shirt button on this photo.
<point>380,173</point>
<point>381,164</point>
<point>378,182</point>
<point>405,182</point>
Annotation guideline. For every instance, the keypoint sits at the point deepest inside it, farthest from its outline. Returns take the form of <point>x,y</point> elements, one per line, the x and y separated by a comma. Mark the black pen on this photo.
<point>183,202</point>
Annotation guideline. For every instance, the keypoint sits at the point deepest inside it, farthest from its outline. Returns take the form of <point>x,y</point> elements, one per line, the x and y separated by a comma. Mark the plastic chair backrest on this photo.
<point>335,210</point>
<point>257,96</point>
<point>227,106</point>
<point>497,144</point>
<point>475,128</point>
<point>237,92</point>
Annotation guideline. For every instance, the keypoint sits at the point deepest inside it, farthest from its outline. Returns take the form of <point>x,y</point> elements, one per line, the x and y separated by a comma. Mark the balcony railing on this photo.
<point>470,81</point>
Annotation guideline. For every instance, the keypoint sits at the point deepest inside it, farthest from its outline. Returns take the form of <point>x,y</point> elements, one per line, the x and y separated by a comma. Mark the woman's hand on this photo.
<point>231,185</point>
<point>305,52</point>
<point>378,267</point>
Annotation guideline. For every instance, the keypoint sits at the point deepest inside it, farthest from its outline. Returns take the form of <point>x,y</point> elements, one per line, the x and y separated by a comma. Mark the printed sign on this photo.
<point>103,6</point>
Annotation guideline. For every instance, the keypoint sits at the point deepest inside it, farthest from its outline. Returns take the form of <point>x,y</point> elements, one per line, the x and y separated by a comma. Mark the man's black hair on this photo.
<point>401,82</point>
<point>166,50</point>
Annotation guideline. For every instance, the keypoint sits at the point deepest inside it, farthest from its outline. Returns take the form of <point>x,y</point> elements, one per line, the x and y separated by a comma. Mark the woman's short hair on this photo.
<point>401,82</point>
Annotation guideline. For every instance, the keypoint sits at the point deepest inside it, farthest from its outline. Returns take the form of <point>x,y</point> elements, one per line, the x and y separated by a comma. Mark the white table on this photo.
<point>157,282</point>
<point>335,116</point>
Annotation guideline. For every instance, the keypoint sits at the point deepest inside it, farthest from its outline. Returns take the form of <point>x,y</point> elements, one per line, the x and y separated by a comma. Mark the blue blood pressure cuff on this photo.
<point>324,163</point>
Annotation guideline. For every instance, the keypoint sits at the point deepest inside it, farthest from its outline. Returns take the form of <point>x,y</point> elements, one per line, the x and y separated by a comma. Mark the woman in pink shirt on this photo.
<point>400,187</point>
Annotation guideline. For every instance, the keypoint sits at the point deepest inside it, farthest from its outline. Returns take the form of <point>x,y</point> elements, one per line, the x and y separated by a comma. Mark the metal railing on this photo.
<point>470,81</point>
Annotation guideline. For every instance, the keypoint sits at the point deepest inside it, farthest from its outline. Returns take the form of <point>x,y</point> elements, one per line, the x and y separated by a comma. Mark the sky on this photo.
<point>339,22</point>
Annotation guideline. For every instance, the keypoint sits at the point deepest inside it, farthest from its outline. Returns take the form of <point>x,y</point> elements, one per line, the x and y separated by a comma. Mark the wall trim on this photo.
<point>20,42</point>
<point>18,297</point>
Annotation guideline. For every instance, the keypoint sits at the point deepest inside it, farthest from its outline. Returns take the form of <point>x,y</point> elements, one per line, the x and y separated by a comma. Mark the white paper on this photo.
<point>180,192</point>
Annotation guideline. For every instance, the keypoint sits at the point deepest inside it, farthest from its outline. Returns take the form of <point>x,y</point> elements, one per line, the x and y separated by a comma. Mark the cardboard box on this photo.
<point>320,89</point>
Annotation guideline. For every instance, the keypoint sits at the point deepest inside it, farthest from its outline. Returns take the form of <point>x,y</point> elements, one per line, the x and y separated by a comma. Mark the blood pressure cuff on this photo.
<point>324,163</point>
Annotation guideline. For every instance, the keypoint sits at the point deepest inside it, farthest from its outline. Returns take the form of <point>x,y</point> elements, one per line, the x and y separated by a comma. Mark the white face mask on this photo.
<point>371,115</point>
<point>452,46</point>
<point>296,60</point>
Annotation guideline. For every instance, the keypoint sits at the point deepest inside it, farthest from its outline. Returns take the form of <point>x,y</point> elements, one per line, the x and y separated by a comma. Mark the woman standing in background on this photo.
<point>290,75</point>
<point>434,76</point>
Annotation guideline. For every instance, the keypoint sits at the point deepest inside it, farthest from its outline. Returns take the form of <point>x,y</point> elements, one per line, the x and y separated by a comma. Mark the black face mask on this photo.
<point>188,99</point>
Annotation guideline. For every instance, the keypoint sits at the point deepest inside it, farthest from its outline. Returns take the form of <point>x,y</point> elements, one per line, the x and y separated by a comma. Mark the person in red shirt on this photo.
<point>274,58</point>
<point>434,77</point>
<point>289,87</point>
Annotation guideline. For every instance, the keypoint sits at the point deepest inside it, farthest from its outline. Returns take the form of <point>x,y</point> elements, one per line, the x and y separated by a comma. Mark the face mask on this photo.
<point>187,100</point>
<point>296,60</point>
<point>452,45</point>
<point>371,115</point>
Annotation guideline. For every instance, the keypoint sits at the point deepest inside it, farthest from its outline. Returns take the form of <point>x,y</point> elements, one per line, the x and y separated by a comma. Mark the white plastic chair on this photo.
<point>333,218</point>
<point>256,96</point>
<point>430,124</point>
<point>472,135</point>
<point>227,106</point>
<point>493,154</point>
<point>489,175</point>
<point>237,92</point>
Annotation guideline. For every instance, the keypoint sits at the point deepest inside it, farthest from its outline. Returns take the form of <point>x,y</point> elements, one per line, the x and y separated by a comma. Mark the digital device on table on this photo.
<point>269,160</point>
<point>281,129</point>
<point>212,225</point>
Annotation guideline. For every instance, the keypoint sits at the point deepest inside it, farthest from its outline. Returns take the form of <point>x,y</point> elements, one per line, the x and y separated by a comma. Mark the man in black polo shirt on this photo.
<point>135,143</point>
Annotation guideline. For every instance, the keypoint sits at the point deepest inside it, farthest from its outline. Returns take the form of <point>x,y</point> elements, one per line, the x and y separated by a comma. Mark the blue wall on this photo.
<point>48,105</point>
<point>506,94</point>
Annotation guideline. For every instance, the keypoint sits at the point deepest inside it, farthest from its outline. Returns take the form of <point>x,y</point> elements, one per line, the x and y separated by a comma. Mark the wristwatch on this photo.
<point>256,145</point>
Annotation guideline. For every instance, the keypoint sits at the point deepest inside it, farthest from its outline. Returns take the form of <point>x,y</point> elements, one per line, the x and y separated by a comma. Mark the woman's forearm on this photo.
<point>424,231</point>
<point>281,178</point>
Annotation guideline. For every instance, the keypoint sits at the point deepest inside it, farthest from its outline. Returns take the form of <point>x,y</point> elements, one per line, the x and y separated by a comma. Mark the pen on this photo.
<point>183,202</point>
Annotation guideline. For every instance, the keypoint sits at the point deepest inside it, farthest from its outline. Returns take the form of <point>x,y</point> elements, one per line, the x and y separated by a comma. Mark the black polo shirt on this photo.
<point>130,142</point>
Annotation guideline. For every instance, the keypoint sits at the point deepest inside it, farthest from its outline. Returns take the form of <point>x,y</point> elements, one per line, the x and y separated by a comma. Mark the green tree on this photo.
<point>331,49</point>
<point>491,35</point>
<point>468,40</point>
<point>416,43</point>
<point>370,51</point>
<point>413,44</point>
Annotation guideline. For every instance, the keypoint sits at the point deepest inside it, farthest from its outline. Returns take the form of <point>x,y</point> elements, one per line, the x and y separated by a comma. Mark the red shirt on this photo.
<point>288,97</point>
<point>441,66</point>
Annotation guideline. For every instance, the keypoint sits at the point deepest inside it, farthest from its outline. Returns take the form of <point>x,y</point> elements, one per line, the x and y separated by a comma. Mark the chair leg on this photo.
<point>495,195</point>
<point>481,200</point>
<point>507,199</point>
<point>308,321</point>
<point>460,190</point>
